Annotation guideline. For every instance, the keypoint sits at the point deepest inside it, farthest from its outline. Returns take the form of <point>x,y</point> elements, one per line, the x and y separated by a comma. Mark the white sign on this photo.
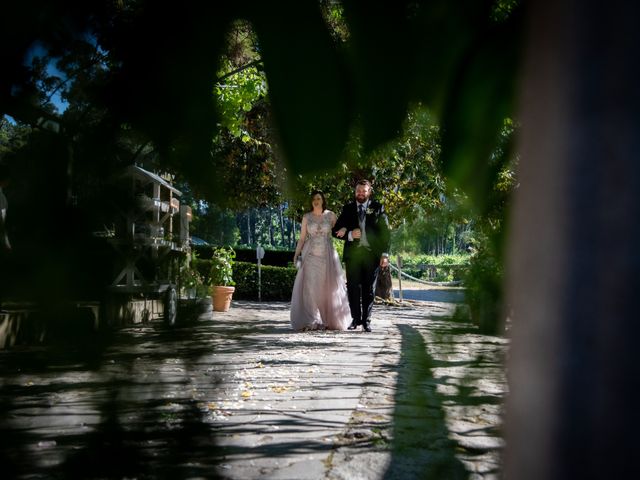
<point>260,252</point>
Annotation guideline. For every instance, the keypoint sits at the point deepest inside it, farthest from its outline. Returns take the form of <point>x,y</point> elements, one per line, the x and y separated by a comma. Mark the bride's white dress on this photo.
<point>319,298</point>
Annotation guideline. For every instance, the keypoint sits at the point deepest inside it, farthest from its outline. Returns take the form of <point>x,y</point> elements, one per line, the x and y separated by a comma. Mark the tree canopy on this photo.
<point>139,70</point>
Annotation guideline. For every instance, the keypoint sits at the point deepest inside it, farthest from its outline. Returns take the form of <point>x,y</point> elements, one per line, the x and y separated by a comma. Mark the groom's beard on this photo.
<point>362,198</point>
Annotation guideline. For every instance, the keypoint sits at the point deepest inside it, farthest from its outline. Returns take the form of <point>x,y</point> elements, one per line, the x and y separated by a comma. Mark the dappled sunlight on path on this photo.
<point>239,395</point>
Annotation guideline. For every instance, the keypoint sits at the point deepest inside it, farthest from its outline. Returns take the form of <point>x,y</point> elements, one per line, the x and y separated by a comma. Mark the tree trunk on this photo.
<point>293,230</point>
<point>249,227</point>
<point>281,219</point>
<point>255,226</point>
<point>573,368</point>
<point>269,215</point>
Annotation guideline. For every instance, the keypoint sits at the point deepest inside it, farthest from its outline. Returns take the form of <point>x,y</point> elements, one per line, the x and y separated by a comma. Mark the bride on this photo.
<point>319,298</point>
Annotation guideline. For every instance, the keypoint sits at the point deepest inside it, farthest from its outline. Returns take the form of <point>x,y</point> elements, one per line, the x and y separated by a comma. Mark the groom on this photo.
<point>364,226</point>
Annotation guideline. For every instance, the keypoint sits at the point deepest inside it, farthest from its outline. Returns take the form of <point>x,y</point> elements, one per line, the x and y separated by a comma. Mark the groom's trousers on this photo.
<point>362,270</point>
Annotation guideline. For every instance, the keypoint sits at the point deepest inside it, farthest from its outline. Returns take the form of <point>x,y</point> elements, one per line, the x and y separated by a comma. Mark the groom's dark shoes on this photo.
<point>366,326</point>
<point>353,326</point>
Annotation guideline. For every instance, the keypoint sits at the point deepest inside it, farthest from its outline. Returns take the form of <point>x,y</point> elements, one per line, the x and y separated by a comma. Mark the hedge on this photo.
<point>279,258</point>
<point>277,282</point>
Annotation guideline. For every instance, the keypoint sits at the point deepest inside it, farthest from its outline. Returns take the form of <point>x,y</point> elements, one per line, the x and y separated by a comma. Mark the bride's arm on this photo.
<point>303,237</point>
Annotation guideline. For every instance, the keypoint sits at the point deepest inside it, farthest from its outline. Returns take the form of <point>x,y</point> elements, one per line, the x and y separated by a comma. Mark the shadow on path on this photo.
<point>140,405</point>
<point>120,409</point>
<point>421,447</point>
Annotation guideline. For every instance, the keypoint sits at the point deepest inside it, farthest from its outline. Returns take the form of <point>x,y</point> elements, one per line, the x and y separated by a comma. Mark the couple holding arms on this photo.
<point>320,299</point>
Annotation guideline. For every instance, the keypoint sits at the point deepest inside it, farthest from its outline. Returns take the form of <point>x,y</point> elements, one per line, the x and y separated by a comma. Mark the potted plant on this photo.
<point>221,278</point>
<point>190,279</point>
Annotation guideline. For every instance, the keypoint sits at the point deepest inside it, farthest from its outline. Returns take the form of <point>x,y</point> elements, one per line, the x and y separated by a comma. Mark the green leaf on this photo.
<point>307,84</point>
<point>478,104</point>
<point>379,53</point>
<point>442,32</point>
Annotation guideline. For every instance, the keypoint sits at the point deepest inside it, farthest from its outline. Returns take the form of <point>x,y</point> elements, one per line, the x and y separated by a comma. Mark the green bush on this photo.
<point>190,277</point>
<point>203,267</point>
<point>484,291</point>
<point>277,282</point>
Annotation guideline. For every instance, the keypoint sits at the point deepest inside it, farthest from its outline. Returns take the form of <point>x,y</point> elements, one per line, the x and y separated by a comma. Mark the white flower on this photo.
<point>369,211</point>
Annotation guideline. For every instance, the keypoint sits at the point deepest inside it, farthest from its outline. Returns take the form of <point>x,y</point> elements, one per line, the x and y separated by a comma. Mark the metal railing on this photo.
<point>398,269</point>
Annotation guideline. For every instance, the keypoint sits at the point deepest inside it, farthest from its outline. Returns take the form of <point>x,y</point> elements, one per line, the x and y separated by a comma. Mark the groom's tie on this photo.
<point>361,212</point>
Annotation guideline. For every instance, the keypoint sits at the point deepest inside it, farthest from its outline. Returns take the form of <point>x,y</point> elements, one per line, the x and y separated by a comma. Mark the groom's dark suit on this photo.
<point>362,262</point>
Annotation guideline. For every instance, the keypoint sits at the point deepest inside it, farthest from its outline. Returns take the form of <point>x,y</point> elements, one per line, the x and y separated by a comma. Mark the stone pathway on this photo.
<point>240,396</point>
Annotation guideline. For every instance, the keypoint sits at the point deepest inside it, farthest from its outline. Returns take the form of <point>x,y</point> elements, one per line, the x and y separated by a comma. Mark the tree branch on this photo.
<point>238,70</point>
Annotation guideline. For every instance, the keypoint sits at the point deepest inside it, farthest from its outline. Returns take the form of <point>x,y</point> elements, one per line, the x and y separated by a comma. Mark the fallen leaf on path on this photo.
<point>280,389</point>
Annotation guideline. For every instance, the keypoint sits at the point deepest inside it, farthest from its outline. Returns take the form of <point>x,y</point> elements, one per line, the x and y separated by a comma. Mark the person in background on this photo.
<point>384,285</point>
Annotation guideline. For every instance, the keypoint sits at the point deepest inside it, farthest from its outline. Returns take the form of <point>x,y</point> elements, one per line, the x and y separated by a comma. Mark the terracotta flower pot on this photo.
<point>221,297</point>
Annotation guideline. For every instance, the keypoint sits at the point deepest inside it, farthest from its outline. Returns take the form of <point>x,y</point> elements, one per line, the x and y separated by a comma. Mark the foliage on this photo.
<point>502,9</point>
<point>276,282</point>
<point>438,260</point>
<point>241,80</point>
<point>473,122</point>
<point>12,137</point>
<point>203,267</point>
<point>485,278</point>
<point>213,224</point>
<point>444,230</point>
<point>221,272</point>
<point>272,256</point>
<point>484,289</point>
<point>333,14</point>
<point>237,96</point>
<point>190,277</point>
<point>271,248</point>
<point>406,172</point>
<point>249,173</point>
<point>134,56</point>
<point>437,268</point>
